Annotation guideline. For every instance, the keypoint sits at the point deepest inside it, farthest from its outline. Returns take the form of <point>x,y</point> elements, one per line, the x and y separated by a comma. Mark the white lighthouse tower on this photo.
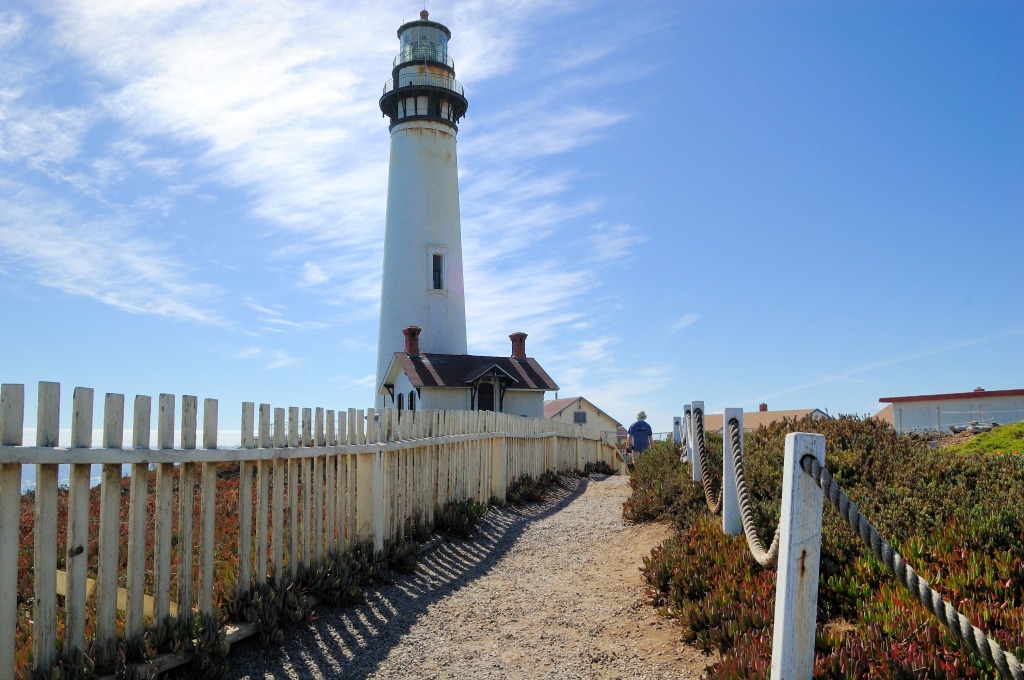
<point>422,284</point>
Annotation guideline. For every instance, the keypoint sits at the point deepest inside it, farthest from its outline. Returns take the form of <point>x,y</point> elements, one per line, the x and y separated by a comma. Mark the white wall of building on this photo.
<point>529,403</point>
<point>938,415</point>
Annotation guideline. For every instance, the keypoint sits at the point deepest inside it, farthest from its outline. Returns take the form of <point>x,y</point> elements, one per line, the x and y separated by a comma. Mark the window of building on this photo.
<point>579,417</point>
<point>485,397</point>
<point>399,403</point>
<point>438,271</point>
<point>412,400</point>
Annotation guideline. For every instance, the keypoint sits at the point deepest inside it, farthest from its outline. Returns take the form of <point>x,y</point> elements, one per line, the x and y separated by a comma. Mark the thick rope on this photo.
<point>714,504</point>
<point>765,558</point>
<point>959,625</point>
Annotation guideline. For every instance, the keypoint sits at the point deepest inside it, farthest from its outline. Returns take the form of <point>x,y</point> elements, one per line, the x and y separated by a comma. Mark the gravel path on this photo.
<point>552,590</point>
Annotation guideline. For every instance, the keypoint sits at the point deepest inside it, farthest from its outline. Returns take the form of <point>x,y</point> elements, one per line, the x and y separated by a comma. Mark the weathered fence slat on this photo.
<point>293,494</point>
<point>262,496</point>
<point>44,630</point>
<point>277,495</point>
<point>245,499</point>
<point>138,497</point>
<point>164,525</point>
<point>208,511</point>
<point>109,529</point>
<point>12,417</point>
<point>77,544</point>
<point>186,502</point>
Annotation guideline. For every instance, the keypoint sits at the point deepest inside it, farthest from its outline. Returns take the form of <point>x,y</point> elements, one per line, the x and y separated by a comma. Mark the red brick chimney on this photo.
<point>762,407</point>
<point>412,339</point>
<point>518,345</point>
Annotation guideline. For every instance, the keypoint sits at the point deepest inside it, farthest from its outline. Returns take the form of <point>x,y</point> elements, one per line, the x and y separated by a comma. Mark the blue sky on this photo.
<point>811,204</point>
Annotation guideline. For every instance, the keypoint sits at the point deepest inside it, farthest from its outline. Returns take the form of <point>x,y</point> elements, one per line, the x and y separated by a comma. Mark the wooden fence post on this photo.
<point>12,415</point>
<point>796,589</point>
<point>163,527</point>
<point>697,409</point>
<point>44,631</point>
<point>137,525</point>
<point>77,553</point>
<point>109,534</point>
<point>732,523</point>
<point>208,510</point>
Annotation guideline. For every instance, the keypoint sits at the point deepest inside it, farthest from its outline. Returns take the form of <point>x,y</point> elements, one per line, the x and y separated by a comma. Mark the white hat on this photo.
<point>640,415</point>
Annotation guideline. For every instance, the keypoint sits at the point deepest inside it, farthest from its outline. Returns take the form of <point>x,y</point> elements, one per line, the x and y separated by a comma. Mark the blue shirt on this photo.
<point>641,433</point>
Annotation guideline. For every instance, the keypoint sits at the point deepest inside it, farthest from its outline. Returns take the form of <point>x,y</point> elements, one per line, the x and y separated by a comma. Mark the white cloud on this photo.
<point>686,321</point>
<point>273,359</point>
<point>615,242</point>
<point>99,259</point>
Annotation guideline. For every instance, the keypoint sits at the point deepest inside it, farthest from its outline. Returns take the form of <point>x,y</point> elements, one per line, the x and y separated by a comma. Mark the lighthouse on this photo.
<point>422,360</point>
<point>422,284</point>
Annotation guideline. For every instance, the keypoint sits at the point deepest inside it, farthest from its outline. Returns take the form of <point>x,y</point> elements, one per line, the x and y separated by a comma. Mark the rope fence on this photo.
<point>797,539</point>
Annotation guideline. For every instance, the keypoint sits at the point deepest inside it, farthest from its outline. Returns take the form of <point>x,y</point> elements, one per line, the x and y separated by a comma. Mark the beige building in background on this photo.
<point>579,411</point>
<point>762,416</point>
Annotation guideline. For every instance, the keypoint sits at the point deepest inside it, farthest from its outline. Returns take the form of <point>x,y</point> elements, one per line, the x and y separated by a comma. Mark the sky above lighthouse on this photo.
<point>809,204</point>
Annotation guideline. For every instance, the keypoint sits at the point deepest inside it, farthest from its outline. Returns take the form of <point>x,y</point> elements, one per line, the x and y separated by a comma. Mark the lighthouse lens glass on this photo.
<point>423,39</point>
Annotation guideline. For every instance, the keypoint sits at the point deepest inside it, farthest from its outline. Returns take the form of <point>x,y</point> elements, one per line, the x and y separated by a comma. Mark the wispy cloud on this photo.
<point>202,98</point>
<point>686,321</point>
<point>272,359</point>
<point>102,260</point>
<point>851,374</point>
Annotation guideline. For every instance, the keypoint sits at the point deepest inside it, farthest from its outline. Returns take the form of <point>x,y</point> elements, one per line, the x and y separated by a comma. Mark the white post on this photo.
<point>677,436</point>
<point>732,524</point>
<point>697,409</point>
<point>796,589</point>
<point>688,431</point>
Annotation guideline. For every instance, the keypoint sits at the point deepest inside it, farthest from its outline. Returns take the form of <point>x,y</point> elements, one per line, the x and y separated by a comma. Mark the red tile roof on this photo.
<point>458,370</point>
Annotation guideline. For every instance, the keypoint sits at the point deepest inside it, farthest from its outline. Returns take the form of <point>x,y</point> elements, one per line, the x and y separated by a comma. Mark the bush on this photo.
<point>957,518</point>
<point>459,518</point>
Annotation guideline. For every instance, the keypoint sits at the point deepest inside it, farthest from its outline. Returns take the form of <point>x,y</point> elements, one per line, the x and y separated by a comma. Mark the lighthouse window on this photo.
<point>438,271</point>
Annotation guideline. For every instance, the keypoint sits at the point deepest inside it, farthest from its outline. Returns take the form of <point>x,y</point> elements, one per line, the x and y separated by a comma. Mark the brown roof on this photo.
<point>977,394</point>
<point>552,407</point>
<point>755,419</point>
<point>458,370</point>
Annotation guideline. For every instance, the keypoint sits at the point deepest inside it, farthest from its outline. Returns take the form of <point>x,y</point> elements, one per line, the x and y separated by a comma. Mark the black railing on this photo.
<point>423,54</point>
<point>425,80</point>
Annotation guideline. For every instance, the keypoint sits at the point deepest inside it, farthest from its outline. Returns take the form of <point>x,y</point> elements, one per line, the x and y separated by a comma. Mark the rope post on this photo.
<point>697,409</point>
<point>796,588</point>
<point>688,431</point>
<point>677,436</point>
<point>732,523</point>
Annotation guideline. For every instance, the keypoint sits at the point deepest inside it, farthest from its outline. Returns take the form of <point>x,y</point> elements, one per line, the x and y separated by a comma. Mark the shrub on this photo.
<point>958,519</point>
<point>459,518</point>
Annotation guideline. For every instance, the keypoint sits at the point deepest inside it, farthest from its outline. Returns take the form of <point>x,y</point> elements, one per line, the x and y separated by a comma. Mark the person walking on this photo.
<point>639,435</point>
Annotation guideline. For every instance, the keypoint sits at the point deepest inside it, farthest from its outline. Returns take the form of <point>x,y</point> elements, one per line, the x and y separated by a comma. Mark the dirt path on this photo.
<point>550,591</point>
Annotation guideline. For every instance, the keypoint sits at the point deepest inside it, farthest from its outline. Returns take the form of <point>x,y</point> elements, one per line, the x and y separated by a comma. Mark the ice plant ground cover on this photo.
<point>956,515</point>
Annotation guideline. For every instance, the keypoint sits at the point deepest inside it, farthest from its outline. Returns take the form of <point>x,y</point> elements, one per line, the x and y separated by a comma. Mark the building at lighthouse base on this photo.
<point>465,382</point>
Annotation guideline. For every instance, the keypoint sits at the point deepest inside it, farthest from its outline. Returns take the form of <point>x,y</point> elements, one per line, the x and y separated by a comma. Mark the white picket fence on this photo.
<point>339,477</point>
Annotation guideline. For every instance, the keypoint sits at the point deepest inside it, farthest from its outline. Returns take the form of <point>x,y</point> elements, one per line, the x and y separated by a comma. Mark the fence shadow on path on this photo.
<point>351,642</point>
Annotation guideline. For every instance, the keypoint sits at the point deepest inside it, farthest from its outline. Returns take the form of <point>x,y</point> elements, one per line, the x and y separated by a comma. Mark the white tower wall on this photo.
<point>422,221</point>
